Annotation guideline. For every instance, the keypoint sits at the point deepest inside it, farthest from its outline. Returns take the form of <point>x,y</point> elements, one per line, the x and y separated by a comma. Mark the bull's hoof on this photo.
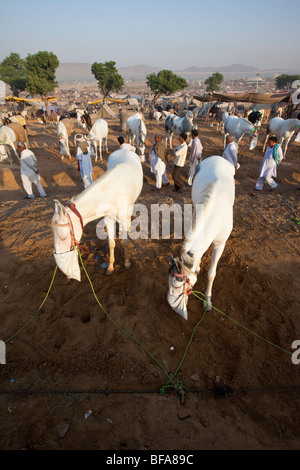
<point>109,271</point>
<point>207,305</point>
<point>127,265</point>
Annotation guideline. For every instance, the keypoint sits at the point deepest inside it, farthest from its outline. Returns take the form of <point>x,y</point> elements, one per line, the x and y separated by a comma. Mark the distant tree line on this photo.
<point>36,74</point>
<point>284,81</point>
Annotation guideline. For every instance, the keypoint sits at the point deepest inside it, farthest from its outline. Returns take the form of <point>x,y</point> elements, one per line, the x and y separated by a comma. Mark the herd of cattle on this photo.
<point>13,128</point>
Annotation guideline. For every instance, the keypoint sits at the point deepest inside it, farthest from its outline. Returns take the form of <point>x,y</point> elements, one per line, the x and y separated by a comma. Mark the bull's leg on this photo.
<point>166,140</point>
<point>225,135</point>
<point>110,225</point>
<point>238,142</point>
<point>100,148</point>
<point>125,243</point>
<point>286,145</point>
<point>96,149</point>
<point>265,143</point>
<point>215,256</point>
<point>14,149</point>
<point>9,155</point>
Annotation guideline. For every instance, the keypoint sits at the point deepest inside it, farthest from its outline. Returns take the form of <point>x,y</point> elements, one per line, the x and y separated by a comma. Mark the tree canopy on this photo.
<point>107,76</point>
<point>214,81</point>
<point>285,81</point>
<point>41,68</point>
<point>13,72</point>
<point>165,82</point>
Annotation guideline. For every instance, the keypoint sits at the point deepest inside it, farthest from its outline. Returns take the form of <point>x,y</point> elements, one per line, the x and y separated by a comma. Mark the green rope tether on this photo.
<point>125,332</point>
<point>162,390</point>
<point>239,324</point>
<point>36,313</point>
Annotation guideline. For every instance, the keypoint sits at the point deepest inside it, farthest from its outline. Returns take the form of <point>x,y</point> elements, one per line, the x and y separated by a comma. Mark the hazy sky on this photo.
<point>171,34</point>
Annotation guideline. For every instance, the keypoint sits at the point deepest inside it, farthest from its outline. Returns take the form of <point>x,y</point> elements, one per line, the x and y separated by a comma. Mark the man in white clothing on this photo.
<point>230,152</point>
<point>29,172</point>
<point>158,160</point>
<point>268,170</point>
<point>195,155</point>
<point>84,161</point>
<point>124,145</point>
<point>180,153</point>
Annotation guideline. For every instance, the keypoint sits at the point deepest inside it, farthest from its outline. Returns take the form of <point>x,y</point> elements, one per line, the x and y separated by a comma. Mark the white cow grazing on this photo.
<point>214,192</point>
<point>237,127</point>
<point>178,125</point>
<point>111,196</point>
<point>283,129</point>
<point>65,128</point>
<point>136,130</point>
<point>98,135</point>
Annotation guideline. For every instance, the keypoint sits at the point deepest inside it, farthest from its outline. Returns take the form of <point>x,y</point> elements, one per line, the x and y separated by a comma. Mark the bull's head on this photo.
<point>65,252</point>
<point>181,280</point>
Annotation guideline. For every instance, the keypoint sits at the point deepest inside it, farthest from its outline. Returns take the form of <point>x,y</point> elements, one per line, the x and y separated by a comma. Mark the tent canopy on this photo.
<point>106,112</point>
<point>259,98</point>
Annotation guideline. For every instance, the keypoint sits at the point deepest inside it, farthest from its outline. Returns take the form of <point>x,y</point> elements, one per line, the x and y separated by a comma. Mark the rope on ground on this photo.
<point>170,384</point>
<point>36,313</point>
<point>239,324</point>
<point>176,386</point>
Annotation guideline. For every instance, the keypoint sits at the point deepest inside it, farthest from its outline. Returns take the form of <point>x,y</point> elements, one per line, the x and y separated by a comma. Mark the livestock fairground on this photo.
<point>149,257</point>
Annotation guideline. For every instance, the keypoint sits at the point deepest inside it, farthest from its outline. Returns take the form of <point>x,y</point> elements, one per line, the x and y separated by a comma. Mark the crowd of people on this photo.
<point>158,160</point>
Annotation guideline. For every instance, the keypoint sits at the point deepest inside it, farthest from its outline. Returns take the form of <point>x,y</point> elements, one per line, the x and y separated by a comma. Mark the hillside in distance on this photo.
<point>81,72</point>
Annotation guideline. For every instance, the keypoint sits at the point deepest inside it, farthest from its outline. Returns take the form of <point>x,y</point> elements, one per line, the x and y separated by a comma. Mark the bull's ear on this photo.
<point>59,208</point>
<point>176,263</point>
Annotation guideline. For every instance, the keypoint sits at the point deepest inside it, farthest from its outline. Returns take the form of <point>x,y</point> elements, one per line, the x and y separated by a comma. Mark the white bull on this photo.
<point>136,130</point>
<point>177,125</point>
<point>213,194</point>
<point>98,136</point>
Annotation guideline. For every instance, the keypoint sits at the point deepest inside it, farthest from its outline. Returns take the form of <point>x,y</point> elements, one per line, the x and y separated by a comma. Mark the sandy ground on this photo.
<point>71,357</point>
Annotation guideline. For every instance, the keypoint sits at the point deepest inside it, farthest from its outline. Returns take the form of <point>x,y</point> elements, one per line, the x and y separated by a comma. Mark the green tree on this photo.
<point>108,78</point>
<point>285,81</point>
<point>165,82</point>
<point>13,72</point>
<point>214,81</point>
<point>41,68</point>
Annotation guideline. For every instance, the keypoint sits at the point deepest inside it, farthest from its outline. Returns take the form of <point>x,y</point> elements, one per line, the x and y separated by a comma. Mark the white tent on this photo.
<point>4,91</point>
<point>133,102</point>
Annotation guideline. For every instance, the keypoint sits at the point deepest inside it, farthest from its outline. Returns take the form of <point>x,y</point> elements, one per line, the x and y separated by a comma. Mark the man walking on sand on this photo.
<point>158,160</point>
<point>195,155</point>
<point>29,172</point>
<point>268,170</point>
<point>180,153</point>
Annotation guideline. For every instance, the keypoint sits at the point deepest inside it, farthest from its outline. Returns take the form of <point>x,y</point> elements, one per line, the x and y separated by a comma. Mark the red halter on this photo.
<point>74,242</point>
